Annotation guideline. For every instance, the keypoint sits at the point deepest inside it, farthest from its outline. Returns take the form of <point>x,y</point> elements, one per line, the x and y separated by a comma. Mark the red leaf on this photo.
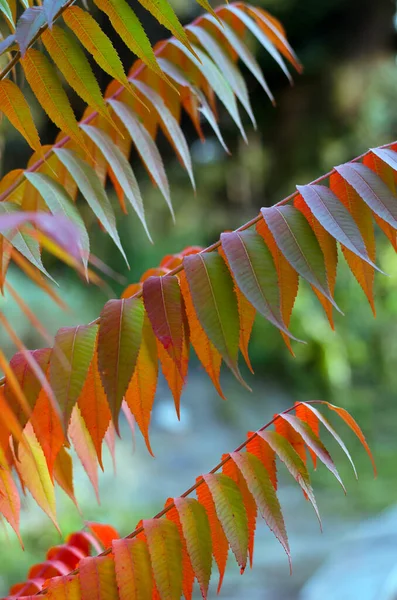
<point>163,303</point>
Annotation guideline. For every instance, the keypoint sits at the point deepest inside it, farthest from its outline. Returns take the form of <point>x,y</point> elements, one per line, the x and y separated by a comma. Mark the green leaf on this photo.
<point>242,50</point>
<point>59,201</point>
<point>216,80</point>
<point>145,146</point>
<point>121,168</point>
<point>28,25</point>
<point>264,494</point>
<point>295,465</point>
<point>69,364</point>
<point>313,442</point>
<point>129,28</point>
<point>179,76</point>
<point>165,549</point>
<point>96,42</point>
<point>197,533</point>
<point>215,303</point>
<point>170,126</point>
<point>70,59</point>
<point>230,509</point>
<point>371,188</point>
<point>227,67</point>
<point>253,268</point>
<point>297,241</point>
<point>6,10</point>
<point>91,188</point>
<point>120,334</point>
<point>165,14</point>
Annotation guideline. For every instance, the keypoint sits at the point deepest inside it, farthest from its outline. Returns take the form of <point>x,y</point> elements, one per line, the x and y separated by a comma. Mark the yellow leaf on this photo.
<point>70,59</point>
<point>164,13</point>
<point>16,109</point>
<point>129,28</point>
<point>48,90</point>
<point>96,42</point>
<point>32,466</point>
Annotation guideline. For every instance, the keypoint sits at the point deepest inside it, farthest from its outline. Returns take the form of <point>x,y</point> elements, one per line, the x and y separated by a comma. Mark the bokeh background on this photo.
<point>344,102</point>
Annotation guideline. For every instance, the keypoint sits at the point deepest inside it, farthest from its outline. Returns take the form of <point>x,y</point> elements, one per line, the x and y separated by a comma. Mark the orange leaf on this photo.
<point>63,473</point>
<point>94,408</point>
<point>266,455</point>
<point>348,419</point>
<point>142,389</point>
<point>48,429</point>
<point>308,416</point>
<point>175,377</point>
<point>361,213</point>
<point>9,501</point>
<point>104,533</point>
<point>288,432</point>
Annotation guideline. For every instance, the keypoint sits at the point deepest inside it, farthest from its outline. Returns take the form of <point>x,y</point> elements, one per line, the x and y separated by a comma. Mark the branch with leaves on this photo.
<point>132,111</point>
<point>33,24</point>
<point>204,299</point>
<point>163,557</point>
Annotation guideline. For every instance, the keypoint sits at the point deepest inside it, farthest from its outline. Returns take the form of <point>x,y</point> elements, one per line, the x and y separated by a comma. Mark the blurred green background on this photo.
<point>342,104</point>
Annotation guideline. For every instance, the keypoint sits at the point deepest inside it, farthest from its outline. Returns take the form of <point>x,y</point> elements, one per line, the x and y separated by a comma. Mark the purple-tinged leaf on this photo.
<point>335,218</point>
<point>7,43</point>
<point>51,8</point>
<point>28,25</point>
<point>371,188</point>
<point>163,303</point>
<point>57,227</point>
